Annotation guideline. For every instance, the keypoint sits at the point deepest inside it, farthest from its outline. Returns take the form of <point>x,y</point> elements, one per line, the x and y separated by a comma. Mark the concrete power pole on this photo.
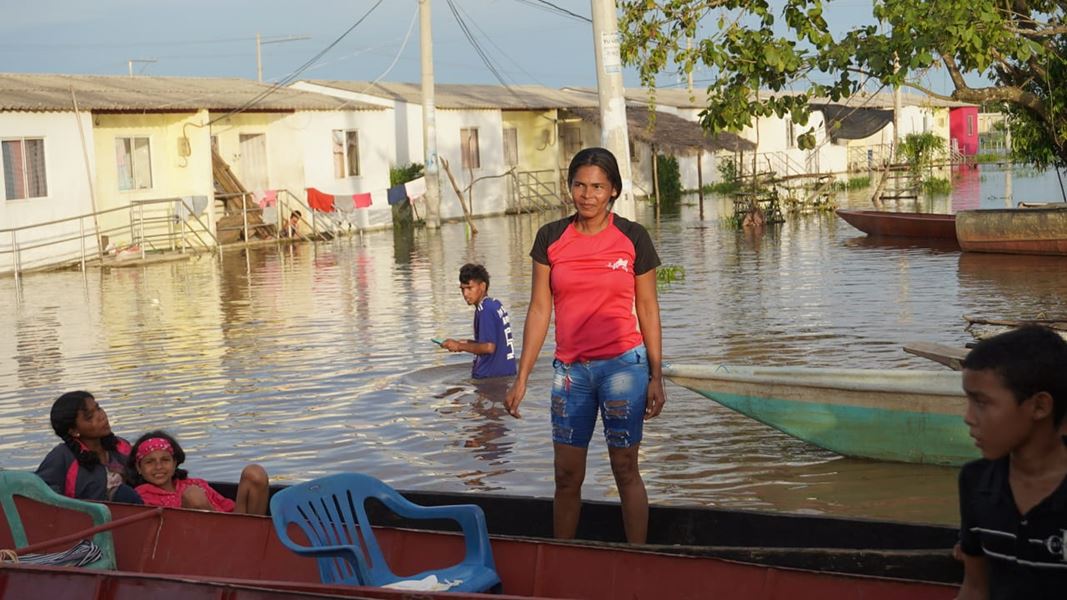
<point>429,119</point>
<point>613,132</point>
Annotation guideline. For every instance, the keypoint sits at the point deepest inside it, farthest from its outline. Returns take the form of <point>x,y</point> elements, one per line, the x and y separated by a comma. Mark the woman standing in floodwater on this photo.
<point>593,268</point>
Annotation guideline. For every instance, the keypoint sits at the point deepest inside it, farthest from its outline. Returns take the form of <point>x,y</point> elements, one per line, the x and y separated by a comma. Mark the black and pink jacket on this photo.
<point>62,472</point>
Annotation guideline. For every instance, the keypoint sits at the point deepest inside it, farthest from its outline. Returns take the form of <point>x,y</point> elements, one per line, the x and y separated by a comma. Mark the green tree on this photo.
<point>921,149</point>
<point>1016,46</point>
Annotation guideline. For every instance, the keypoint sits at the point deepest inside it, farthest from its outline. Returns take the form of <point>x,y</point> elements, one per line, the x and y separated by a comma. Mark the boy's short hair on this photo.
<point>1029,359</point>
<point>473,271</point>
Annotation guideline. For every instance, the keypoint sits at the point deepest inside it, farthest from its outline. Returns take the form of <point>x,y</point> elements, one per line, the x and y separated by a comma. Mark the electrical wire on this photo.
<point>477,47</point>
<point>285,81</point>
<point>555,9</point>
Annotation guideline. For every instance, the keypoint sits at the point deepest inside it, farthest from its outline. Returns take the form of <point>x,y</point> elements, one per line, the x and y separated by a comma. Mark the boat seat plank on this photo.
<point>950,356</point>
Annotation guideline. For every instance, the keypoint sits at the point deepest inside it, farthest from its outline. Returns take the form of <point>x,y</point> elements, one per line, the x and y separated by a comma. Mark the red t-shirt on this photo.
<point>593,285</point>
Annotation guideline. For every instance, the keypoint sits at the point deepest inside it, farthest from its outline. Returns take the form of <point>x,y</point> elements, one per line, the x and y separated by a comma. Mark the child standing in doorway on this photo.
<point>155,461</point>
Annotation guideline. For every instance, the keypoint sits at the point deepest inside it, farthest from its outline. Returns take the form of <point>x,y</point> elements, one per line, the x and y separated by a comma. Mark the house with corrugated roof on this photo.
<point>144,154</point>
<point>509,145</point>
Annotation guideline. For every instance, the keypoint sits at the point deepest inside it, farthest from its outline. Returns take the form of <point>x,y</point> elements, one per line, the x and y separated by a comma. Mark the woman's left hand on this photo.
<point>656,398</point>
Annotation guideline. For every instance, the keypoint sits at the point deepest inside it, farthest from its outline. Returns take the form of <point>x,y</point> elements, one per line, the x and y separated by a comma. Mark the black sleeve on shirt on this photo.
<point>53,469</point>
<point>970,541</point>
<point>546,236</point>
<point>645,256</point>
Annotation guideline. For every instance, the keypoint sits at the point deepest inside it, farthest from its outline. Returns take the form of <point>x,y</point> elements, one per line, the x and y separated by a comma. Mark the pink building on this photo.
<point>963,129</point>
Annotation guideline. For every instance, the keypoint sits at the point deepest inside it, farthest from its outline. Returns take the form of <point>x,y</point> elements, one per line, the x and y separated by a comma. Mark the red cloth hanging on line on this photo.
<point>320,201</point>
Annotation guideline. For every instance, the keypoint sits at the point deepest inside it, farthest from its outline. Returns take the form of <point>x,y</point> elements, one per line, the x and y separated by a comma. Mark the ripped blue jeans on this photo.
<point>617,388</point>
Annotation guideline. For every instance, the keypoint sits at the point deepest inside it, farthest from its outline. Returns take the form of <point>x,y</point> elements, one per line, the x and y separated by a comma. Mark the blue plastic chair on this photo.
<point>29,485</point>
<point>332,514</point>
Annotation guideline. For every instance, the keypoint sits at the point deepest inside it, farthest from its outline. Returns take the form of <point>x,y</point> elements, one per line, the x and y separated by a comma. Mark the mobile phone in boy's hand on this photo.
<point>438,341</point>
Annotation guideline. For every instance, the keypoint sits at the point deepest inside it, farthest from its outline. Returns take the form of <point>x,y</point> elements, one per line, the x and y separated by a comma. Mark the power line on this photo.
<point>499,49</point>
<point>292,76</point>
<point>555,9</point>
<point>477,47</point>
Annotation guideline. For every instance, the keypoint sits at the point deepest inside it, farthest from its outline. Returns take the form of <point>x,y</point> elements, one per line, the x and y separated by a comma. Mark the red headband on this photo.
<point>151,445</point>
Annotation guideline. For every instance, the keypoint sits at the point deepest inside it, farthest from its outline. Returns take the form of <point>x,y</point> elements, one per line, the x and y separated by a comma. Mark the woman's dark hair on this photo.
<point>597,157</point>
<point>1029,360</point>
<point>179,457</point>
<point>64,417</point>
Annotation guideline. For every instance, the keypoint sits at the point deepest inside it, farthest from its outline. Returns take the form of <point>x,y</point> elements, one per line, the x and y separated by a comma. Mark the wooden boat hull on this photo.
<point>898,415</point>
<point>897,224</point>
<point>1041,230</point>
<point>193,554</point>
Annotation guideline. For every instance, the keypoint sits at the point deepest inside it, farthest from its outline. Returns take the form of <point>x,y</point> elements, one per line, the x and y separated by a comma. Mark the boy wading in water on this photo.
<point>492,347</point>
<point>1013,501</point>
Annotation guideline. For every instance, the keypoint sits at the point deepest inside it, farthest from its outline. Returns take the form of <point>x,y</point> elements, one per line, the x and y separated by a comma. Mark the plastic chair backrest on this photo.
<point>331,512</point>
<point>29,485</point>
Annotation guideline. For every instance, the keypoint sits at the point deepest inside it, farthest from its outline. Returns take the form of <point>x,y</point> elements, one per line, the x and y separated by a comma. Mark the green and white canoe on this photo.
<point>888,414</point>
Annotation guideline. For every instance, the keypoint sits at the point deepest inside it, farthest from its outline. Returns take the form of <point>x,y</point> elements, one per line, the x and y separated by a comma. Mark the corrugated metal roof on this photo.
<point>670,132</point>
<point>472,97</point>
<point>51,92</point>
<point>682,99</point>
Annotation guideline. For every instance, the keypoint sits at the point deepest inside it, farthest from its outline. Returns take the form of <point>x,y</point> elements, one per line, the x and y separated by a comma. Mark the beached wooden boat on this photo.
<point>950,356</point>
<point>1038,230</point>
<point>898,415</point>
<point>901,224</point>
<point>192,554</point>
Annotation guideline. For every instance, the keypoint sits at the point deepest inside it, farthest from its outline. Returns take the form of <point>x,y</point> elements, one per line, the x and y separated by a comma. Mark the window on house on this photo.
<point>572,139</point>
<point>215,144</point>
<point>970,124</point>
<point>633,151</point>
<point>511,146</point>
<point>468,141</point>
<point>345,153</point>
<point>24,174</point>
<point>133,157</point>
<point>791,134</point>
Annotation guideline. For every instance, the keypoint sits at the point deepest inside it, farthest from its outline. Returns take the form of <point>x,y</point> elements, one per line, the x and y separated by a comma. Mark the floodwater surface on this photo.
<point>316,358</point>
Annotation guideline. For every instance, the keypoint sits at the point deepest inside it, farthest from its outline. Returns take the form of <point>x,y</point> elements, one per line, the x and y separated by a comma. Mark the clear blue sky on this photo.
<point>217,38</point>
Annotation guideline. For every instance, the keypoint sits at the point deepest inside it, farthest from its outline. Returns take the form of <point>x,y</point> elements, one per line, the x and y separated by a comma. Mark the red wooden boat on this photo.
<point>192,554</point>
<point>1031,230</point>
<point>897,224</point>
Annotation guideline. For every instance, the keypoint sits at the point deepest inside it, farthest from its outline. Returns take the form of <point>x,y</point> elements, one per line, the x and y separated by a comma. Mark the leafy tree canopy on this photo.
<point>1016,46</point>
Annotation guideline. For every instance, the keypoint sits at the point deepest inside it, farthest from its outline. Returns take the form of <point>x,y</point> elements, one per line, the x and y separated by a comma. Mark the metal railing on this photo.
<point>150,224</point>
<point>538,189</point>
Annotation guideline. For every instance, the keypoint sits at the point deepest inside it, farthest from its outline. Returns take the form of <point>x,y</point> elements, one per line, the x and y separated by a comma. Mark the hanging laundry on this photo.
<point>379,197</point>
<point>320,201</point>
<point>397,194</point>
<point>416,188</point>
<point>265,198</point>
<point>361,200</point>
<point>197,204</point>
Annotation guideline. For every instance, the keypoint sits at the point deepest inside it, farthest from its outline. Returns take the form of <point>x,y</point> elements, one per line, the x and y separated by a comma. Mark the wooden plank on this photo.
<point>950,356</point>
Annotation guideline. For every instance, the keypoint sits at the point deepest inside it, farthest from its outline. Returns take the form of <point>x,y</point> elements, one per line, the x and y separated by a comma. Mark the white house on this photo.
<point>505,143</point>
<point>139,143</point>
<point>47,174</point>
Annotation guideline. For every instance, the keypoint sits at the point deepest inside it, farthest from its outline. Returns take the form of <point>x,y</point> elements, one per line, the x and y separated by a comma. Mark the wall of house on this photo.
<point>538,145</point>
<point>376,154</point>
<point>67,186</point>
<point>778,151</point>
<point>489,195</point>
<point>173,174</point>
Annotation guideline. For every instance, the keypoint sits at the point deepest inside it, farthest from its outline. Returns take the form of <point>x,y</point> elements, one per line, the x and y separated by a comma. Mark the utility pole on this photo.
<point>279,40</point>
<point>613,132</point>
<point>145,61</point>
<point>429,120</point>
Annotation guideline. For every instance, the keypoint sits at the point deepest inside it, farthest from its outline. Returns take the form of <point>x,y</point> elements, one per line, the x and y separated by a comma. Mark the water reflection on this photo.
<point>315,358</point>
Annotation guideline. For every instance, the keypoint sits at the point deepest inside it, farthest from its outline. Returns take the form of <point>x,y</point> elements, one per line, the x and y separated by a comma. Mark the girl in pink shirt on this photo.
<point>155,458</point>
